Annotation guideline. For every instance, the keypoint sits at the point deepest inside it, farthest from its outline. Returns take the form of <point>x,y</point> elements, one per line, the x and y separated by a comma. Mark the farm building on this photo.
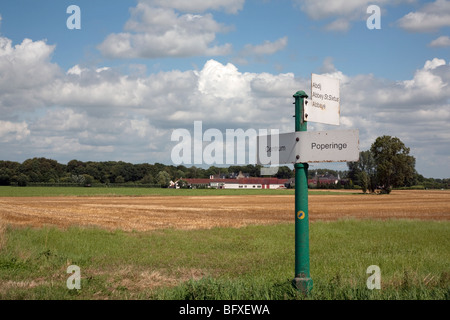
<point>242,183</point>
<point>326,179</point>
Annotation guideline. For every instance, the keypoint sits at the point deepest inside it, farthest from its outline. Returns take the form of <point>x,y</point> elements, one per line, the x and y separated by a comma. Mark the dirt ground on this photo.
<point>184,212</point>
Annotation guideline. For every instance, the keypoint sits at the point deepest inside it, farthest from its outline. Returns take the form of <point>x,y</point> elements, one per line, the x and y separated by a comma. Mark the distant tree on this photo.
<point>252,170</point>
<point>163,179</point>
<point>93,170</point>
<point>284,173</point>
<point>5,177</point>
<point>195,173</point>
<point>212,170</point>
<point>79,179</point>
<point>183,184</point>
<point>42,170</point>
<point>8,172</point>
<point>394,165</point>
<point>126,170</point>
<point>88,180</point>
<point>147,179</point>
<point>75,167</point>
<point>119,179</point>
<point>363,172</point>
<point>22,180</point>
<point>364,181</point>
<point>179,174</point>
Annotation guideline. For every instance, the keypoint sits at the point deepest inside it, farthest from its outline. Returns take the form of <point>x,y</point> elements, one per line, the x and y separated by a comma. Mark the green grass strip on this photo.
<point>251,263</point>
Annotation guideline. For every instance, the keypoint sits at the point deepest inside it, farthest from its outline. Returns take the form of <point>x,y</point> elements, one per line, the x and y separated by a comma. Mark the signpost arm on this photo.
<point>302,280</point>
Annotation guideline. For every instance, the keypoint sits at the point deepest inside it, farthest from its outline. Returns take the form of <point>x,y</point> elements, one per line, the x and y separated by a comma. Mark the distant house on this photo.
<point>218,176</point>
<point>232,175</point>
<point>242,175</point>
<point>241,183</point>
<point>324,179</point>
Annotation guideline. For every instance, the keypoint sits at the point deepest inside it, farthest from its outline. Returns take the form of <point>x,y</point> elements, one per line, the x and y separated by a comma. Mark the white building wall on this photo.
<point>241,186</point>
<point>276,186</point>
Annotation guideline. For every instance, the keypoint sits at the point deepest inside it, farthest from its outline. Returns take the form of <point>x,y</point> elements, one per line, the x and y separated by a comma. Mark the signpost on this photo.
<point>324,106</point>
<point>302,280</point>
<point>302,147</point>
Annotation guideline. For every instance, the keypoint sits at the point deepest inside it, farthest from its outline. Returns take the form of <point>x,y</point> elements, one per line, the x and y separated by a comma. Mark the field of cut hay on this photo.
<point>146,213</point>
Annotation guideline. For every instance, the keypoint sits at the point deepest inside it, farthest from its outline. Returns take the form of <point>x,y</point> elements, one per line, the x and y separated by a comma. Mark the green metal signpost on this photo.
<point>302,280</point>
<point>333,146</point>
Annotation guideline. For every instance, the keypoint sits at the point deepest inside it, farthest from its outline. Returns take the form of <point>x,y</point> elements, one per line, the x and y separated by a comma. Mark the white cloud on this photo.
<point>76,70</point>
<point>221,81</point>
<point>25,65</point>
<point>260,51</point>
<point>328,69</point>
<point>99,113</point>
<point>344,12</point>
<point>334,8</point>
<point>266,48</point>
<point>61,120</point>
<point>24,69</point>
<point>433,64</point>
<point>328,66</point>
<point>424,22</point>
<point>94,89</point>
<point>426,82</point>
<point>13,131</point>
<point>431,17</point>
<point>161,32</point>
<point>442,41</point>
<point>230,6</point>
<point>338,25</point>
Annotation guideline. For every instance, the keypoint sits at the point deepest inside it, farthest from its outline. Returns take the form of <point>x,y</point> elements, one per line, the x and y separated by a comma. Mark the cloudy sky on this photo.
<point>137,70</point>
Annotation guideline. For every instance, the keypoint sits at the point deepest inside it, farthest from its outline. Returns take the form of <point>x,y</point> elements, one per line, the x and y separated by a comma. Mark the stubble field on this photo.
<point>146,213</point>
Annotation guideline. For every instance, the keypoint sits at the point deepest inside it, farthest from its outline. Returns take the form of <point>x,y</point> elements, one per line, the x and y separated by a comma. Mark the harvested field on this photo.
<point>200,212</point>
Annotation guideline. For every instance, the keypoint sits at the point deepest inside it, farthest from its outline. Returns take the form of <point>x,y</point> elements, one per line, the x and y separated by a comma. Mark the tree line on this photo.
<point>43,170</point>
<point>386,165</point>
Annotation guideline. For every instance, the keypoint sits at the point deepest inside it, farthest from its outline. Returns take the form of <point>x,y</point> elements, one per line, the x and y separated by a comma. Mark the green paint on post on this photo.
<point>302,280</point>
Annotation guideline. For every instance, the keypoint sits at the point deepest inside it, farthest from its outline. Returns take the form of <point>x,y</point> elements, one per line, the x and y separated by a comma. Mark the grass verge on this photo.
<point>251,263</point>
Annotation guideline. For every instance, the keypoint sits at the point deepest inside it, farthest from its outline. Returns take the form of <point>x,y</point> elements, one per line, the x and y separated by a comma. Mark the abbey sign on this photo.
<point>324,104</point>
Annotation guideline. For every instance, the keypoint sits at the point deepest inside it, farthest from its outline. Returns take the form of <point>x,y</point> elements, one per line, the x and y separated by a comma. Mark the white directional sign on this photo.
<point>276,148</point>
<point>314,146</point>
<point>329,146</point>
<point>324,103</point>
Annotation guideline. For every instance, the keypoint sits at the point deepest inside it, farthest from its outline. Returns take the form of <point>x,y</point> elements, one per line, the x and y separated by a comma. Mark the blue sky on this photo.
<point>137,70</point>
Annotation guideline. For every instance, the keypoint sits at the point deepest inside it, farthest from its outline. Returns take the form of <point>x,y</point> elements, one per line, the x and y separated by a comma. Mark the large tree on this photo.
<point>394,165</point>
